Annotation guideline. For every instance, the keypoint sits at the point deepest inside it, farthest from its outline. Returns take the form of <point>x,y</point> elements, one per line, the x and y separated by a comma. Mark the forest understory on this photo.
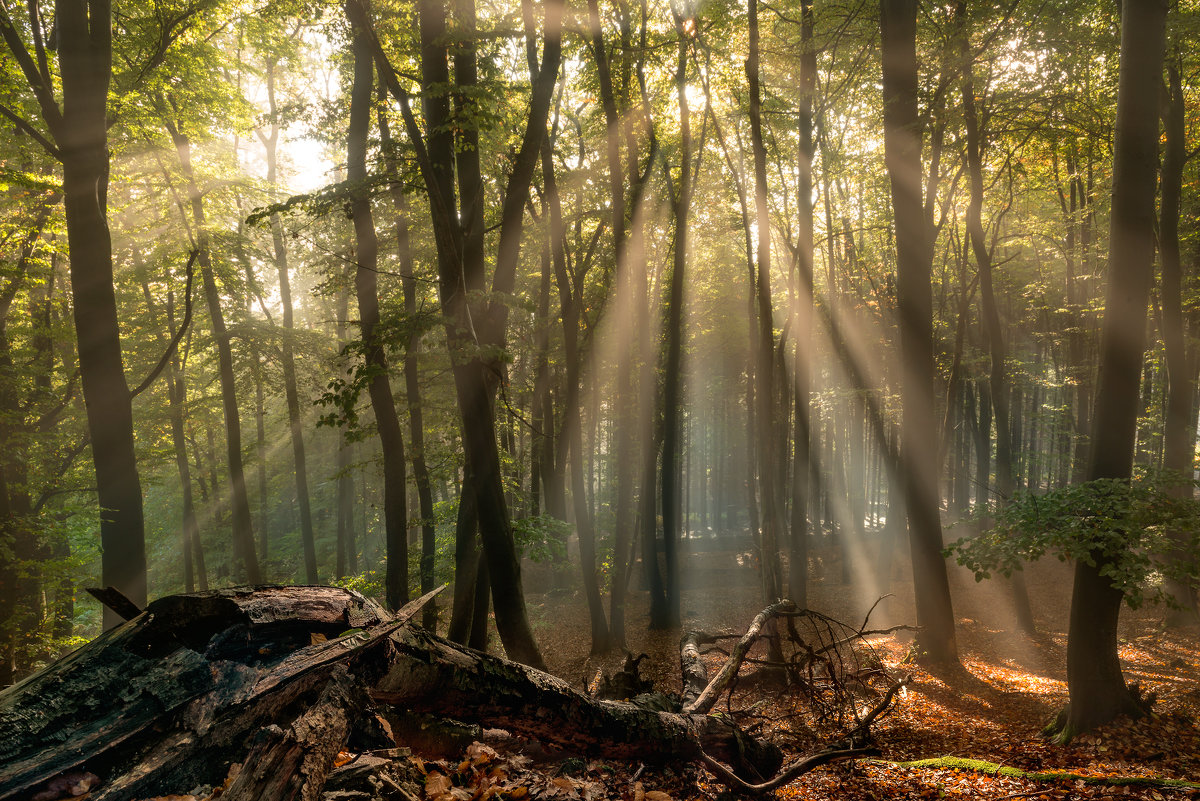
<point>992,710</point>
<point>971,731</point>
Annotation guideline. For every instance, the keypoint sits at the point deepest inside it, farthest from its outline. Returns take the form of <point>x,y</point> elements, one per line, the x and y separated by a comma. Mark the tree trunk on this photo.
<point>802,321</point>
<point>902,149</point>
<point>1178,445</point>
<point>1097,688</point>
<point>243,529</point>
<point>412,374</point>
<point>993,330</point>
<point>85,62</point>
<point>207,677</point>
<point>673,366</point>
<point>291,392</point>
<point>347,552</point>
<point>772,583</point>
<point>366,283</point>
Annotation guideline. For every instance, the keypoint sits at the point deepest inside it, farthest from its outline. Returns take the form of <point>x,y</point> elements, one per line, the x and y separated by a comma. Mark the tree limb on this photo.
<point>183,327</point>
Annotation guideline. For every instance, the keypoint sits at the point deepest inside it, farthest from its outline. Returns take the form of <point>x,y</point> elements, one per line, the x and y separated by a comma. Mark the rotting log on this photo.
<point>165,699</point>
<point>691,667</point>
<point>277,679</point>
<point>293,763</point>
<point>432,675</point>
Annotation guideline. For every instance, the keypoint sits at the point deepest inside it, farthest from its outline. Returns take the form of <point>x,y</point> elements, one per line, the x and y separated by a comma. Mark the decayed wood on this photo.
<point>176,683</point>
<point>115,600</point>
<point>293,763</point>
<point>261,677</point>
<point>429,674</point>
<point>692,668</point>
<point>707,698</point>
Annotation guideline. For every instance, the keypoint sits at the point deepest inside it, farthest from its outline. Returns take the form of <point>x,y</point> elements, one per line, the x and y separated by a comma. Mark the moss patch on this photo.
<point>992,769</point>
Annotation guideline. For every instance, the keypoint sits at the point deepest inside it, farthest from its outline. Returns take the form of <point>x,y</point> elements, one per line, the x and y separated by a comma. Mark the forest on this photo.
<point>865,332</point>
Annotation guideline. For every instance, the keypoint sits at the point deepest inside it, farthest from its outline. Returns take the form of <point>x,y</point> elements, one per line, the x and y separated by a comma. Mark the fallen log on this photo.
<point>279,679</point>
<point>432,675</point>
<point>167,697</point>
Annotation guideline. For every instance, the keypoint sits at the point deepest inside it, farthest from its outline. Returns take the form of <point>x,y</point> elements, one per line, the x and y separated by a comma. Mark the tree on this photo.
<point>79,140</point>
<point>1098,692</point>
<point>366,282</point>
<point>270,141</point>
<point>902,148</point>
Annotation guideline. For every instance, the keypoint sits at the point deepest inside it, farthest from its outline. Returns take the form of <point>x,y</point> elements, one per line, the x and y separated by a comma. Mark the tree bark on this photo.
<point>196,675</point>
<point>1097,688</point>
<point>366,283</point>
<point>412,373</point>
<point>902,152</point>
<point>291,393</point>
<point>772,583</point>
<point>673,367</point>
<point>205,677</point>
<point>243,529</point>
<point>802,320</point>
<point>1178,443</point>
<point>85,63</point>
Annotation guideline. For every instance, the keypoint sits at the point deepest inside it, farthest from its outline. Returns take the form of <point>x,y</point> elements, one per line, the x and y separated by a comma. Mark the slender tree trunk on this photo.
<point>472,378</point>
<point>902,148</point>
<point>177,396</point>
<point>673,368</point>
<point>765,347</point>
<point>243,529</point>
<point>346,560</point>
<point>993,329</point>
<point>802,320</point>
<point>412,374</point>
<point>366,282</point>
<point>1178,448</point>
<point>1097,688</point>
<point>291,392</point>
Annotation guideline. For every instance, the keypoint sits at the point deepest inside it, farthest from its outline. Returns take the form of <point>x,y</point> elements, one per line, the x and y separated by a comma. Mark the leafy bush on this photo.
<point>542,538</point>
<point>1136,530</point>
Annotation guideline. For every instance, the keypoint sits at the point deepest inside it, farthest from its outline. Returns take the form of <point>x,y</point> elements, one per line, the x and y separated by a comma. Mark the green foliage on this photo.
<point>542,538</point>
<point>1132,529</point>
<point>369,583</point>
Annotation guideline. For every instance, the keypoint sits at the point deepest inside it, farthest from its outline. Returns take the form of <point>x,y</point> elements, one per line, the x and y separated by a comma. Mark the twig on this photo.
<point>796,769</point>
<point>879,708</point>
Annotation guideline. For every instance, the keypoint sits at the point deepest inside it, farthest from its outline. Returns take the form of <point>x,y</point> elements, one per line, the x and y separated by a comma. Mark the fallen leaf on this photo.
<point>436,784</point>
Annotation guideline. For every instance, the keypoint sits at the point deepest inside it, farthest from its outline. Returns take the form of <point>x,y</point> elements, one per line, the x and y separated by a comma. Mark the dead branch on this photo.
<point>789,774</point>
<point>707,698</point>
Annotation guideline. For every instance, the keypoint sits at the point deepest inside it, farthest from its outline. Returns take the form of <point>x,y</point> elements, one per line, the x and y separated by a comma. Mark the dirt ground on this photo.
<point>993,709</point>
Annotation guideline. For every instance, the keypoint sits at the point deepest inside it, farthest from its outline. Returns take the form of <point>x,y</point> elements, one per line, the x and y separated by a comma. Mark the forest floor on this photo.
<point>1009,687</point>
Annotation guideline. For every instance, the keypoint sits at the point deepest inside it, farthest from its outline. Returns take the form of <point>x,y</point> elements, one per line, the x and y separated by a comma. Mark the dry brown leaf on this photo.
<point>658,795</point>
<point>436,784</point>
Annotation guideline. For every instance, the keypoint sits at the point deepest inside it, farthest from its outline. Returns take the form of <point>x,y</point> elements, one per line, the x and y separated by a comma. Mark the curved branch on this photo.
<point>790,773</point>
<point>183,327</point>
